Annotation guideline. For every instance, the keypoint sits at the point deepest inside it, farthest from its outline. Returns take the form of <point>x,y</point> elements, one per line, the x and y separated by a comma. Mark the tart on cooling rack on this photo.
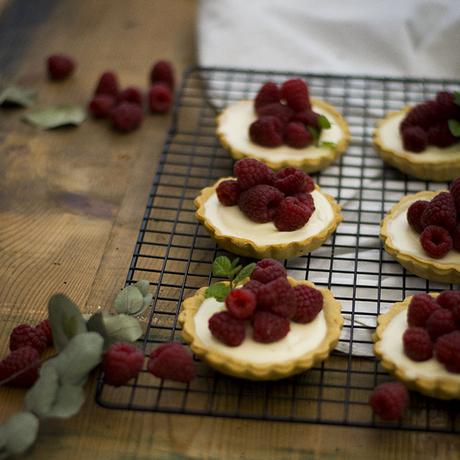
<point>260,213</point>
<point>422,232</point>
<point>418,340</point>
<point>423,141</point>
<point>283,127</point>
<point>270,328</point>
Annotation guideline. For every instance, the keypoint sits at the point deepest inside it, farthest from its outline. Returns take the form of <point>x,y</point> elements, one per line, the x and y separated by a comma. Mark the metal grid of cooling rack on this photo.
<point>175,253</point>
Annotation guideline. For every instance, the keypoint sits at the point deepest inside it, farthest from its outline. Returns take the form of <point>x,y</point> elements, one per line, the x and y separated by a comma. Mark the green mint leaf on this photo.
<point>323,122</point>
<point>218,290</point>
<point>457,97</point>
<point>129,300</point>
<point>68,402</point>
<point>56,116</point>
<point>17,96</point>
<point>235,261</point>
<point>121,328</point>
<point>454,127</point>
<point>314,133</point>
<point>244,273</point>
<point>331,145</point>
<point>143,286</point>
<point>221,266</point>
<point>18,433</point>
<point>40,398</point>
<point>232,274</point>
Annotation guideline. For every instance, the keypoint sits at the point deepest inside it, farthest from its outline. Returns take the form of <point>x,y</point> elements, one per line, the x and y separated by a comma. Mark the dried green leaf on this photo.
<point>244,273</point>
<point>68,402</point>
<point>56,116</point>
<point>221,266</point>
<point>454,127</point>
<point>143,286</point>
<point>323,122</point>
<point>218,290</point>
<point>40,398</point>
<point>121,328</point>
<point>17,96</point>
<point>129,300</point>
<point>18,433</point>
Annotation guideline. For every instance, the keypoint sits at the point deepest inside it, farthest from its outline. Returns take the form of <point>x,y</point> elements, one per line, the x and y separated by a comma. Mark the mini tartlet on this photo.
<point>402,242</point>
<point>257,361</point>
<point>428,377</point>
<point>261,240</point>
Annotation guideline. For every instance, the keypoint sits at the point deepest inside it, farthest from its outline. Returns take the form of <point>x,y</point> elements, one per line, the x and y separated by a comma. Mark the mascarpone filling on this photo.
<point>407,240</point>
<point>234,126</point>
<point>391,140</point>
<point>391,346</point>
<point>301,338</point>
<point>230,221</point>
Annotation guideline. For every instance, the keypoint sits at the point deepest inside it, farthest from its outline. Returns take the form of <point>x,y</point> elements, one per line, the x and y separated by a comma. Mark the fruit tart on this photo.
<point>423,141</point>
<point>283,127</point>
<point>422,232</point>
<point>418,340</point>
<point>260,213</point>
<point>268,328</point>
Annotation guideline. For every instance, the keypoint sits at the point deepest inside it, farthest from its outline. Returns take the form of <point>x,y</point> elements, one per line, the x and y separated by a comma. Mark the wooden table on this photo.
<point>70,206</point>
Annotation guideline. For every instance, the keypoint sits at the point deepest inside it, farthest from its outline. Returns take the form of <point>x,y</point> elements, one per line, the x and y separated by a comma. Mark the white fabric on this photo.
<point>372,37</point>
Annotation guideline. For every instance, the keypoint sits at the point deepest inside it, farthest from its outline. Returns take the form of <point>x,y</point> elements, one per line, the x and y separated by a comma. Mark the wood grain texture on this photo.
<point>70,206</point>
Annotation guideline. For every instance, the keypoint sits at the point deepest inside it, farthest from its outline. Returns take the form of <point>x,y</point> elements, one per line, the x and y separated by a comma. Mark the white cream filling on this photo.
<point>301,338</point>
<point>391,140</point>
<point>234,125</point>
<point>392,347</point>
<point>230,221</point>
<point>407,240</point>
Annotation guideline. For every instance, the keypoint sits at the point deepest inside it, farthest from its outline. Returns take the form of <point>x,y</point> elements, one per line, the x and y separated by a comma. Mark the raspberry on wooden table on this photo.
<point>309,302</point>
<point>295,93</point>
<point>26,335</point>
<point>278,110</point>
<point>447,351</point>
<point>241,303</point>
<point>227,328</point>
<point>228,192</point>
<point>108,84</point>
<point>440,322</point>
<point>417,344</point>
<point>291,215</point>
<point>121,362</point>
<point>267,131</point>
<point>126,117</point>
<point>159,98</point>
<point>268,327</point>
<point>436,241</point>
<point>267,270</point>
<point>60,66</point>
<point>260,202</point>
<point>172,361</point>
<point>162,72</point>
<point>439,135</point>
<point>297,136</point>
<point>45,328</point>
<point>290,180</point>
<point>252,172</point>
<point>131,94</point>
<point>278,297</point>
<point>420,309</point>
<point>454,190</point>
<point>415,139</point>
<point>414,214</point>
<point>26,362</point>
<point>269,93</point>
<point>101,105</point>
<point>389,400</point>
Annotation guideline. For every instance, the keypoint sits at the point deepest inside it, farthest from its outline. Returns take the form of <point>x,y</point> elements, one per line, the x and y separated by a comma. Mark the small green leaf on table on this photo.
<point>18,433</point>
<point>17,96</point>
<point>56,116</point>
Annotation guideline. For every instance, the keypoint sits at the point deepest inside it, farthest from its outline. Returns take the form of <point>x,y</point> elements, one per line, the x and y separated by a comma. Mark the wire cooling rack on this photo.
<point>174,253</point>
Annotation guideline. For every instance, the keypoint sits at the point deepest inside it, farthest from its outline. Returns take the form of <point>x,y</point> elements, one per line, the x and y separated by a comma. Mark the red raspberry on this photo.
<point>389,400</point>
<point>228,192</point>
<point>45,329</point>
<point>131,94</point>
<point>307,117</point>
<point>447,351</point>
<point>269,93</point>
<point>278,110</point>
<point>227,329</point>
<point>26,335</point>
<point>162,72</point>
<point>101,105</point>
<point>24,359</point>
<point>121,362</point>
<point>441,212</point>
<point>423,115</point>
<point>278,297</point>
<point>252,172</point>
<point>160,98</point>
<point>267,131</point>
<point>297,136</point>
<point>291,215</point>
<point>306,199</point>
<point>414,139</point>
<point>126,117</point>
<point>436,241</point>
<point>309,303</point>
<point>454,190</point>
<point>268,328</point>
<point>295,93</point>
<point>417,344</point>
<point>267,270</point>
<point>241,303</point>
<point>440,322</point>
<point>455,234</point>
<point>414,214</point>
<point>450,300</point>
<point>290,181</point>
<point>439,135</point>
<point>108,84</point>
<point>447,105</point>
<point>260,202</point>
<point>420,309</point>
<point>172,361</point>
<point>253,286</point>
<point>60,66</point>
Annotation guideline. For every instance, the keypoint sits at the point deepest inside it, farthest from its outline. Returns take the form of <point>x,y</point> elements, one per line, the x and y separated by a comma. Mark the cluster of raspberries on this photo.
<point>437,221</point>
<point>20,368</point>
<point>269,303</point>
<point>434,329</point>
<point>264,196</point>
<point>284,115</point>
<point>124,107</point>
<point>428,123</point>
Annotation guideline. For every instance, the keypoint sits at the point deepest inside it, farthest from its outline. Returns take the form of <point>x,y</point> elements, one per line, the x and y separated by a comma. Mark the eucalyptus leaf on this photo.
<point>143,286</point>
<point>244,273</point>
<point>19,432</point>
<point>56,116</point>
<point>96,324</point>
<point>129,300</point>
<point>454,127</point>
<point>68,402</point>
<point>323,122</point>
<point>18,96</point>
<point>121,328</point>
<point>218,290</point>
<point>221,266</point>
<point>331,145</point>
<point>65,319</point>
<point>40,398</point>
<point>147,302</point>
